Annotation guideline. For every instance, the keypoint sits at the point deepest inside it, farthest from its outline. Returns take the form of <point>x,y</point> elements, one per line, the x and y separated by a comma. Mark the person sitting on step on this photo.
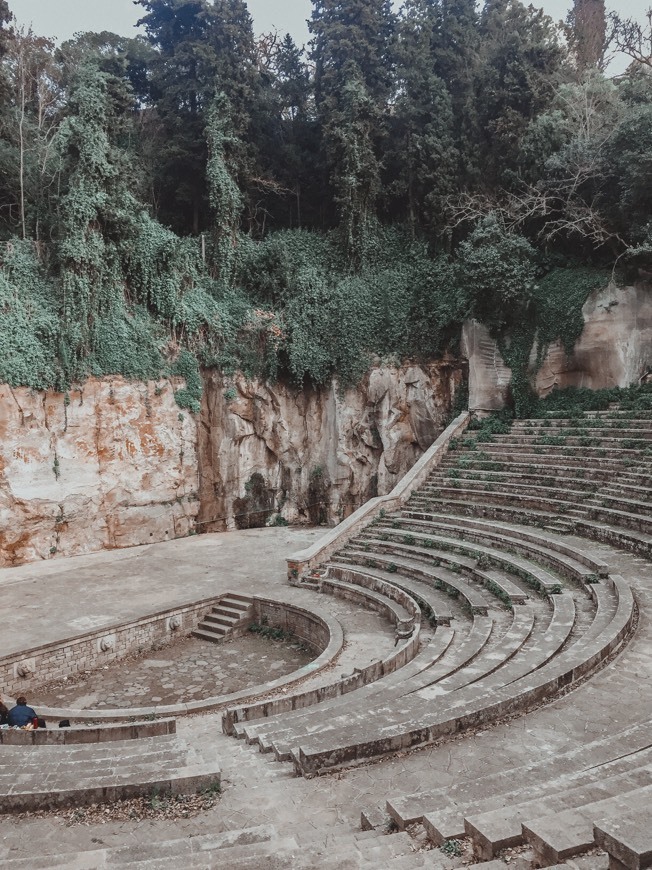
<point>21,714</point>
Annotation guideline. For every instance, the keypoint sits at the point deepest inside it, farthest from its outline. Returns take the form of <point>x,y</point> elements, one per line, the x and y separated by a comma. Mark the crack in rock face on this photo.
<point>321,453</point>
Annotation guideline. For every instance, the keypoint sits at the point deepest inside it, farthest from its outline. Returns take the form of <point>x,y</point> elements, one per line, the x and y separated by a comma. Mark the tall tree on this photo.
<point>587,30</point>
<point>28,124</point>
<point>202,48</point>
<point>455,45</point>
<point>422,159</point>
<point>355,169</point>
<point>352,50</point>
<point>294,159</point>
<point>361,31</point>
<point>520,56</point>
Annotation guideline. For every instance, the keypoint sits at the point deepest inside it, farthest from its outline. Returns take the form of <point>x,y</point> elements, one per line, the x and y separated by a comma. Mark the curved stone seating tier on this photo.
<point>447,806</point>
<point>286,739</point>
<point>617,503</point>
<point>404,652</point>
<point>87,734</point>
<point>509,533</point>
<point>542,647</point>
<point>556,459</point>
<point>561,559</point>
<point>611,439</point>
<point>637,492</point>
<point>277,733</point>
<point>379,595</point>
<point>440,577</point>
<point>448,495</point>
<point>435,604</point>
<point>505,448</point>
<point>617,536</point>
<point>485,501</point>
<point>497,582</point>
<point>481,631</point>
<point>623,428</point>
<point>464,556</point>
<point>636,522</point>
<point>414,723</point>
<point>453,477</point>
<point>463,665</point>
<point>485,663</point>
<point>57,776</point>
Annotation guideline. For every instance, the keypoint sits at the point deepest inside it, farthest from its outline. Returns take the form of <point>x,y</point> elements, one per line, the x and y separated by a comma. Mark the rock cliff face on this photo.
<point>117,463</point>
<point>314,454</point>
<point>112,464</point>
<point>614,350</point>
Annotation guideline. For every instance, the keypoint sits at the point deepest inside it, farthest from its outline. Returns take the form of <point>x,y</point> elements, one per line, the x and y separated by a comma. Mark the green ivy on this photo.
<point>187,367</point>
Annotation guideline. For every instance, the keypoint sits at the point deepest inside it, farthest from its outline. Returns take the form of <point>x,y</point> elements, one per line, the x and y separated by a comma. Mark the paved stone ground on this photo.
<point>188,670</point>
<point>259,790</point>
<point>59,598</point>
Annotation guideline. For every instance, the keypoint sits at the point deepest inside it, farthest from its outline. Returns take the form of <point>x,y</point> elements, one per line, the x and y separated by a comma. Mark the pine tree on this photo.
<point>587,30</point>
<point>353,54</point>
<point>423,159</point>
<point>520,58</point>
<point>203,48</point>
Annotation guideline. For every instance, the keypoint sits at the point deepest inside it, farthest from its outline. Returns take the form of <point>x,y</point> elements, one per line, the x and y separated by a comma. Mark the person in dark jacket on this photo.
<point>4,712</point>
<point>21,714</point>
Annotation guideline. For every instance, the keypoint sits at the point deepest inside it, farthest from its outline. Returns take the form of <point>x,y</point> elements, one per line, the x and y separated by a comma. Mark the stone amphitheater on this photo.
<point>478,692</point>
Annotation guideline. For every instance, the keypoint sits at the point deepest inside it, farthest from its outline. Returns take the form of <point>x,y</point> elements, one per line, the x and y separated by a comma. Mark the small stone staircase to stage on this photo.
<point>230,618</point>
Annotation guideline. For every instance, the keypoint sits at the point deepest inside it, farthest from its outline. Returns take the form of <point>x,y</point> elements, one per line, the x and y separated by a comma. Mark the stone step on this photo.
<point>220,619</point>
<point>215,635</point>
<point>229,849</point>
<point>627,839</point>
<point>58,776</point>
<point>538,537</point>
<point>498,829</point>
<point>441,577</point>
<point>410,722</point>
<point>570,832</point>
<point>464,555</point>
<point>619,752</point>
<point>232,613</point>
<point>275,732</point>
<point>562,558</point>
<point>497,460</point>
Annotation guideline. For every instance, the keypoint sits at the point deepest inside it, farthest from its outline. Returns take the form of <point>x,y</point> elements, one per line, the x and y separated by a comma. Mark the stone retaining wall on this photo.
<point>307,627</point>
<point>94,734</point>
<point>24,671</point>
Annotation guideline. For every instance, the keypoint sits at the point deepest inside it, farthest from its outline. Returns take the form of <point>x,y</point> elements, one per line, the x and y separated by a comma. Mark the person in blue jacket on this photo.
<point>21,714</point>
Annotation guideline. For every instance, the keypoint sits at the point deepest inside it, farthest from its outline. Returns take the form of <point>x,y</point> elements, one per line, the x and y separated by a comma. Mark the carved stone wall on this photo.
<point>614,350</point>
<point>111,464</point>
<point>326,449</point>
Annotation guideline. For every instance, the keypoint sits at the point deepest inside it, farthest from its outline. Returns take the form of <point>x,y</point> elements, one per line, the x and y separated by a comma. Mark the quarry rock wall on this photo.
<point>315,455</point>
<point>614,350</point>
<point>110,464</point>
<point>115,463</point>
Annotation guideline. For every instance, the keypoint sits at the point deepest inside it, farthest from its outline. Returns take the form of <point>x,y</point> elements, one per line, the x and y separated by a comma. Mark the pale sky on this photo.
<point>62,18</point>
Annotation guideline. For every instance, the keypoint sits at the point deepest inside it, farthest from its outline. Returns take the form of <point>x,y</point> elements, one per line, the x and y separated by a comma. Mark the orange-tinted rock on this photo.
<point>359,441</point>
<point>112,465</point>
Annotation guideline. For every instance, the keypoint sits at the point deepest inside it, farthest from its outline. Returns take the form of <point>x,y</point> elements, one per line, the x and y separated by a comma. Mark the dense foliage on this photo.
<point>199,196</point>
